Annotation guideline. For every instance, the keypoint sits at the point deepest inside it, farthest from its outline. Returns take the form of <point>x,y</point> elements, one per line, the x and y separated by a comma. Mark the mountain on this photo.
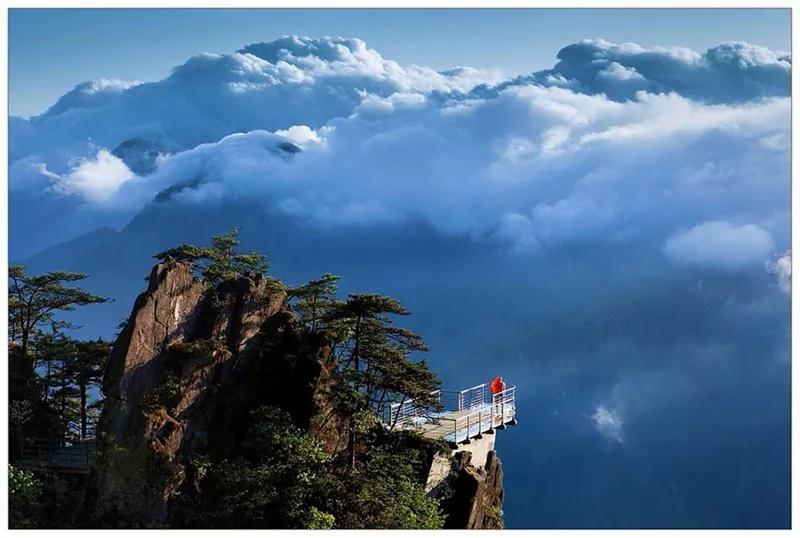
<point>202,371</point>
<point>140,154</point>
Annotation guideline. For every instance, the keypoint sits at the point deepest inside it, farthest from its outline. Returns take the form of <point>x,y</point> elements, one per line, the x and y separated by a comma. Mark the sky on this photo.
<point>594,206</point>
<point>87,44</point>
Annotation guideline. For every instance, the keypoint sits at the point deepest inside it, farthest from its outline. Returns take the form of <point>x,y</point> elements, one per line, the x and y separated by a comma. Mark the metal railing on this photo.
<point>493,411</point>
<point>465,414</point>
<point>50,454</point>
<point>474,397</point>
<point>408,410</point>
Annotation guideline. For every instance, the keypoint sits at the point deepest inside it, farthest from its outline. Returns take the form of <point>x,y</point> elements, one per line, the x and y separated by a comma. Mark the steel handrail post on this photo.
<point>503,408</point>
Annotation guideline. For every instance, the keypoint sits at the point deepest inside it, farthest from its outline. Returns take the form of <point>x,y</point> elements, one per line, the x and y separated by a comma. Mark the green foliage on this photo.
<point>364,421</point>
<point>195,348</point>
<point>314,302</point>
<point>374,360</point>
<point>494,515</point>
<point>85,371</point>
<point>24,492</point>
<point>275,484</point>
<point>54,374</point>
<point>375,355</point>
<point>273,438</point>
<point>282,478</point>
<point>165,394</point>
<point>69,370</point>
<point>110,447</point>
<point>20,413</point>
<point>382,493</point>
<point>33,302</point>
<point>201,465</point>
<point>219,262</point>
<point>90,360</point>
<point>197,353</point>
<point>319,520</point>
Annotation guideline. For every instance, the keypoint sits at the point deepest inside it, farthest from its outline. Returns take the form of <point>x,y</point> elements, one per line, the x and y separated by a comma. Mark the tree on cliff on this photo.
<point>315,301</point>
<point>275,482</point>
<point>219,262</point>
<point>85,371</point>
<point>383,493</point>
<point>374,360</point>
<point>66,371</point>
<point>50,375</point>
<point>282,478</point>
<point>34,300</point>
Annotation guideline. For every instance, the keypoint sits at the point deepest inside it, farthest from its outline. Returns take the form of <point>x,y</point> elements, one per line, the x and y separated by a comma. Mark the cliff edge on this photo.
<point>188,370</point>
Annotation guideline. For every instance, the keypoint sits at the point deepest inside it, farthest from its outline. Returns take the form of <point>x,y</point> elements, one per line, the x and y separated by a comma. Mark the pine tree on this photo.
<point>64,396</point>
<point>314,302</point>
<point>374,359</point>
<point>86,371</point>
<point>34,300</point>
<point>219,262</point>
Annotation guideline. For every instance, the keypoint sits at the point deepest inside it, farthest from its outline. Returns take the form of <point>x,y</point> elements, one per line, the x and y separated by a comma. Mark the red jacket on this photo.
<point>497,386</point>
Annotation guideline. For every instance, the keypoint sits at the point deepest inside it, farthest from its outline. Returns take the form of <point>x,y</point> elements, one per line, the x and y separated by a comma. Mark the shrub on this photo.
<point>24,492</point>
<point>165,394</point>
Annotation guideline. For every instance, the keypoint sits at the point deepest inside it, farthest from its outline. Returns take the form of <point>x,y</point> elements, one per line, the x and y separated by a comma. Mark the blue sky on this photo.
<point>52,50</point>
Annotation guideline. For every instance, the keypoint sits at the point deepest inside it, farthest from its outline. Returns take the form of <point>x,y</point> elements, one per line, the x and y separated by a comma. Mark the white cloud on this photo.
<point>91,94</point>
<point>729,72</point>
<point>527,164</point>
<point>719,243</point>
<point>299,134</point>
<point>609,423</point>
<point>290,81</point>
<point>781,267</point>
<point>96,180</point>
<point>534,166</point>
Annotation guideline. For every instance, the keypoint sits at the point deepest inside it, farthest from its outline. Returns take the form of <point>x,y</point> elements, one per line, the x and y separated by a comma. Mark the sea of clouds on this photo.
<point>614,142</point>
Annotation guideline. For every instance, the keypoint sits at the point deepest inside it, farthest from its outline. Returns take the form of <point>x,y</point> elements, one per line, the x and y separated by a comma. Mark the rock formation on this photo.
<point>476,502</point>
<point>191,363</point>
<point>186,368</point>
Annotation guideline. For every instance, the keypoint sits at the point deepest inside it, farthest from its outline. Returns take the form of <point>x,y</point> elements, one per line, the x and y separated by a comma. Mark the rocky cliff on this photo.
<point>184,371</point>
<point>477,499</point>
<point>191,364</point>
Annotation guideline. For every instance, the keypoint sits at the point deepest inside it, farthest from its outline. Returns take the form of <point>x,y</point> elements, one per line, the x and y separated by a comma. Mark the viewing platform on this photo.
<point>459,416</point>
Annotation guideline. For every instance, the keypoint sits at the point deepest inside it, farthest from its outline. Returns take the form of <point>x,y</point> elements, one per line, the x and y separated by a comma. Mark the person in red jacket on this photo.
<point>497,385</point>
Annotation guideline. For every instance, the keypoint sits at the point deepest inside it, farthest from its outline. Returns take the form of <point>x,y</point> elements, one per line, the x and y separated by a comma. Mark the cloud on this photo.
<point>290,81</point>
<point>299,134</point>
<point>535,165</point>
<point>781,267</point>
<point>95,180</point>
<point>727,73</point>
<point>609,423</point>
<point>719,243</point>
<point>91,94</point>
